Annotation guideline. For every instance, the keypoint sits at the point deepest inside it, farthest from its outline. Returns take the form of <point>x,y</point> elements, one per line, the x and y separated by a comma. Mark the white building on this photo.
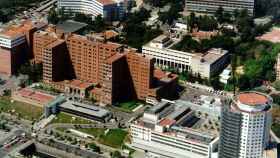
<point>245,126</point>
<point>173,131</point>
<point>206,64</point>
<point>225,75</point>
<point>159,48</point>
<point>212,62</point>
<point>109,9</point>
<point>210,6</point>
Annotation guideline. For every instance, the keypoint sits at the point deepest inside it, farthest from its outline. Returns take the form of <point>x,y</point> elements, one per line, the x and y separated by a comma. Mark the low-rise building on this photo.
<point>176,130</point>
<point>73,107</point>
<point>32,96</point>
<point>205,64</point>
<point>210,63</point>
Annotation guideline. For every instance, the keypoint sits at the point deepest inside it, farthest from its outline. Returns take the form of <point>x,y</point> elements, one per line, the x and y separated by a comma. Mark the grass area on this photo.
<point>67,118</point>
<point>96,132</point>
<point>114,138</point>
<point>276,129</point>
<point>128,106</point>
<point>22,110</point>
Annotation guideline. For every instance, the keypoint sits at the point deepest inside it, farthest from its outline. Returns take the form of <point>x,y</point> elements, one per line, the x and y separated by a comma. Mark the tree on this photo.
<point>171,15</point>
<point>3,17</point>
<point>191,21</point>
<point>245,25</point>
<point>53,16</point>
<point>207,23</point>
<point>62,14</point>
<point>116,154</point>
<point>34,72</point>
<point>135,32</point>
<point>219,14</point>
<point>99,24</point>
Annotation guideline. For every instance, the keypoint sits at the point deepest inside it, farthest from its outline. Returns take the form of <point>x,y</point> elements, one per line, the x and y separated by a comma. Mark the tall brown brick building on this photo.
<point>118,73</point>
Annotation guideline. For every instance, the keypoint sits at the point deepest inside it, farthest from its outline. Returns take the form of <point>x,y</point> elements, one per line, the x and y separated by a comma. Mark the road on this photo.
<point>10,135</point>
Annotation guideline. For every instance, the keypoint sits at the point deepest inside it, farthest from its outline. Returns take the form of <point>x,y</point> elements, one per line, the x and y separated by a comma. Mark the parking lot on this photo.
<point>192,92</point>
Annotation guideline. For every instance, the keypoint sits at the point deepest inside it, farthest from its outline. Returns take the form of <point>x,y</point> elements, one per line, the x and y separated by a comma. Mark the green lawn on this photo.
<point>276,129</point>
<point>22,110</point>
<point>128,106</point>
<point>96,132</point>
<point>67,118</point>
<point>114,138</point>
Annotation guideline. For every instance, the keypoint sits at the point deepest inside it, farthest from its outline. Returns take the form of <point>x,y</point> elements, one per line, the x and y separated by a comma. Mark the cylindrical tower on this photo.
<point>245,125</point>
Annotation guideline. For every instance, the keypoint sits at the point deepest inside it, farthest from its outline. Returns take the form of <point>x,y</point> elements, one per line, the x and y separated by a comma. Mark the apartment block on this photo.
<point>210,6</point>
<point>117,73</point>
<point>53,67</point>
<point>41,40</point>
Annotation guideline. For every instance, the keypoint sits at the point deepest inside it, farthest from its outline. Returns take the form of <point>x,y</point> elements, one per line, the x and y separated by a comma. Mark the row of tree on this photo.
<point>135,32</point>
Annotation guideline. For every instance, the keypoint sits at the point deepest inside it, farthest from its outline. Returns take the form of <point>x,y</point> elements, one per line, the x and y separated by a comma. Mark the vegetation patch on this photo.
<point>67,118</point>
<point>20,109</point>
<point>129,106</point>
<point>96,132</point>
<point>114,138</point>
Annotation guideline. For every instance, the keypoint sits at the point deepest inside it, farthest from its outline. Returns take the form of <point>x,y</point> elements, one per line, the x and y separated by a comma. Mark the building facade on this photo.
<point>277,67</point>
<point>211,6</point>
<point>164,132</point>
<point>204,64</point>
<point>110,10</point>
<point>16,46</point>
<point>166,57</point>
<point>245,126</point>
<point>117,73</point>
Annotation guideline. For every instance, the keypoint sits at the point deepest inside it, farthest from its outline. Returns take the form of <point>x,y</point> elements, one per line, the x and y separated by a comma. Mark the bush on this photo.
<point>276,85</point>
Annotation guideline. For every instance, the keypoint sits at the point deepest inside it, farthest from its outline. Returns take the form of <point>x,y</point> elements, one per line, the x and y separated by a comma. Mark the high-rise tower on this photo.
<point>245,125</point>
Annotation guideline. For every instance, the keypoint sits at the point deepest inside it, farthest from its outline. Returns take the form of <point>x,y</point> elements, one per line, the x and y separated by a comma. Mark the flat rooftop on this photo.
<point>252,99</point>
<point>161,39</point>
<point>183,120</point>
<point>164,76</point>
<point>70,26</point>
<point>17,30</point>
<point>35,95</point>
<point>106,2</point>
<point>85,108</point>
<point>211,55</point>
<point>272,36</point>
<point>78,84</point>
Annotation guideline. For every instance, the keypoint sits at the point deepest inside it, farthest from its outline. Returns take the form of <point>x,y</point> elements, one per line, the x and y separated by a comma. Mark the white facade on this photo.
<point>8,42</point>
<point>109,9</point>
<point>245,126</point>
<point>204,64</point>
<point>210,6</point>
<point>255,123</point>
<point>169,145</point>
<point>225,76</point>
<point>212,62</point>
<point>161,133</point>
